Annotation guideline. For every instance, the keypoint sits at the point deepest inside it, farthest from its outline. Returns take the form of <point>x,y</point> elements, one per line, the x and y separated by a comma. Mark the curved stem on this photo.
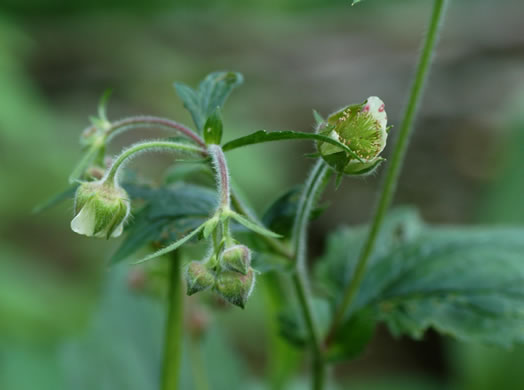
<point>220,164</point>
<point>310,193</point>
<point>391,176</point>
<point>143,146</point>
<point>174,332</point>
<point>136,121</point>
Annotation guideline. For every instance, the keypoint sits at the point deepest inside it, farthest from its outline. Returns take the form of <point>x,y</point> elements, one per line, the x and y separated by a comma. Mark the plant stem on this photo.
<point>137,121</point>
<point>174,334</point>
<point>143,146</point>
<point>309,196</point>
<point>220,164</point>
<point>397,159</point>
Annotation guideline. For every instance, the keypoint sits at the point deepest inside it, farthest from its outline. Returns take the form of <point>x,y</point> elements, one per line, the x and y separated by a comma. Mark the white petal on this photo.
<point>84,222</point>
<point>375,106</point>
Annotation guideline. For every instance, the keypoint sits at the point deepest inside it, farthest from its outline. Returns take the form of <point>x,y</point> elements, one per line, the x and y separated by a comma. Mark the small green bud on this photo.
<point>101,209</point>
<point>363,128</point>
<point>234,287</point>
<point>237,258</point>
<point>198,277</point>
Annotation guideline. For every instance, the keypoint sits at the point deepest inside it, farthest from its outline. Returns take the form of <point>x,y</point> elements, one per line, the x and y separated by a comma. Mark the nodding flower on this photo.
<point>101,209</point>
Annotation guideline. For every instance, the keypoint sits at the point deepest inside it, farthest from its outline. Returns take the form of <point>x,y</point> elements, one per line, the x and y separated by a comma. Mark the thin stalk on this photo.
<point>143,146</point>
<point>397,159</point>
<point>220,164</point>
<point>174,334</point>
<point>310,194</point>
<point>137,121</point>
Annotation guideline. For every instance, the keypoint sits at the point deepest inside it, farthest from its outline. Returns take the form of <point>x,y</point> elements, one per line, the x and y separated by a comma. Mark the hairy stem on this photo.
<point>392,174</point>
<point>144,146</point>
<point>174,334</point>
<point>220,164</point>
<point>137,121</point>
<point>310,194</point>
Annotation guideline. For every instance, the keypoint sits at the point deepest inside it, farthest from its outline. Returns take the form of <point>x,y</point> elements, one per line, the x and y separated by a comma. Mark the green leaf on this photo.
<point>353,336</point>
<point>68,193</point>
<point>169,213</point>
<point>467,282</point>
<point>356,2</point>
<point>262,136</point>
<point>212,92</point>
<point>253,225</point>
<point>280,216</point>
<point>213,128</point>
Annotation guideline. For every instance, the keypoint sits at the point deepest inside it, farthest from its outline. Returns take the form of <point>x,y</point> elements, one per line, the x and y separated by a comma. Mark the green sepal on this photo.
<point>210,226</point>
<point>255,227</point>
<point>175,245</point>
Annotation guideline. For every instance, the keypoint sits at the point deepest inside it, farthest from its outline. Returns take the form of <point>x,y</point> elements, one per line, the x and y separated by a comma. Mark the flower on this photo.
<point>363,128</point>
<point>101,209</point>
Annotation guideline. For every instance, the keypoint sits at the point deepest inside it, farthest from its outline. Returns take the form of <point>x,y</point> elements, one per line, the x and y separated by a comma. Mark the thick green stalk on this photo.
<point>397,159</point>
<point>310,193</point>
<point>174,334</point>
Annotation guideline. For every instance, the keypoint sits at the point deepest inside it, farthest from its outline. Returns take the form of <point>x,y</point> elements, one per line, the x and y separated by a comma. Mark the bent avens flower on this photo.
<point>101,209</point>
<point>363,128</point>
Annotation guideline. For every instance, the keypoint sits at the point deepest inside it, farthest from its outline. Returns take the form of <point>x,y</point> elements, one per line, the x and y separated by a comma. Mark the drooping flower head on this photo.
<point>101,209</point>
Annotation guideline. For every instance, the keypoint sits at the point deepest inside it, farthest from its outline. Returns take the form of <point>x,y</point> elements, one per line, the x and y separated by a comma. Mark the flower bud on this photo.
<point>101,209</point>
<point>237,258</point>
<point>198,277</point>
<point>234,287</point>
<point>363,128</point>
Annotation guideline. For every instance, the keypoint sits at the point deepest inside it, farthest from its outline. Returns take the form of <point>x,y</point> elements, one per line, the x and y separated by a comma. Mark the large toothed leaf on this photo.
<point>262,136</point>
<point>466,282</point>
<point>211,94</point>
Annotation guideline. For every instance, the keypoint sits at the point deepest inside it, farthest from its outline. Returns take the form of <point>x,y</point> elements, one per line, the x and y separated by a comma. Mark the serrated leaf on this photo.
<point>262,136</point>
<point>213,128</point>
<point>467,282</point>
<point>212,92</point>
<point>253,226</point>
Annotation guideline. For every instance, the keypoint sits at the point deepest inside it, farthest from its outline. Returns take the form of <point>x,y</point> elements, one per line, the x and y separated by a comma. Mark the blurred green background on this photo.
<point>67,321</point>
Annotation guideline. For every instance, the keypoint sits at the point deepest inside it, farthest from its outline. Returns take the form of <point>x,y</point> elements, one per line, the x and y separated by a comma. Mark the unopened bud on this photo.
<point>101,209</point>
<point>237,258</point>
<point>234,287</point>
<point>198,277</point>
<point>363,128</point>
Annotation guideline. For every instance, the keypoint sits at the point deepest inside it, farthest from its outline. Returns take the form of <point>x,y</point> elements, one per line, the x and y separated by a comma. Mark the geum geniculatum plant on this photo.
<point>464,282</point>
